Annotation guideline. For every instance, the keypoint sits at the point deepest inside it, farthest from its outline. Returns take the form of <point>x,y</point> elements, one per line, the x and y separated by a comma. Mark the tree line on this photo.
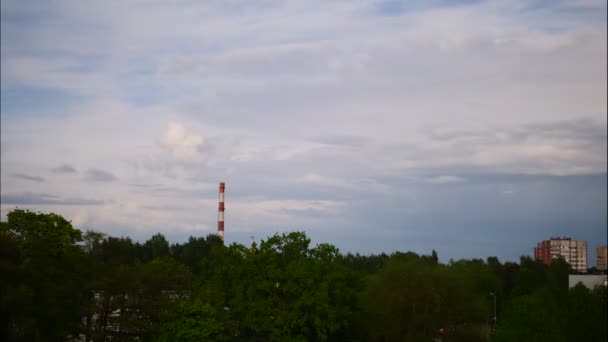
<point>62,284</point>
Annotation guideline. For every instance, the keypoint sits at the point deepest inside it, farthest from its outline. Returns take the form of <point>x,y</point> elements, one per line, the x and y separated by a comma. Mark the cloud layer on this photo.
<point>373,125</point>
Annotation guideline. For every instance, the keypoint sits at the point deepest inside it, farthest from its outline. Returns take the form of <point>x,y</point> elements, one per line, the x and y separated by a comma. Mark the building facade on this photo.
<point>601,258</point>
<point>574,252</point>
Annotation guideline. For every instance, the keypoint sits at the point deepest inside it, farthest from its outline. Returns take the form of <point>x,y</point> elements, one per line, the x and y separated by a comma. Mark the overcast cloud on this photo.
<point>64,169</point>
<point>475,128</point>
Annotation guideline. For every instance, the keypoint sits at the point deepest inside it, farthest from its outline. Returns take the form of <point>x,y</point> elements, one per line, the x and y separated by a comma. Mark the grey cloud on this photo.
<point>347,140</point>
<point>451,135</point>
<point>445,180</point>
<point>181,192</point>
<point>97,175</point>
<point>29,198</point>
<point>580,129</point>
<point>144,186</point>
<point>28,177</point>
<point>554,147</point>
<point>162,208</point>
<point>65,168</point>
<point>311,213</point>
<point>167,190</point>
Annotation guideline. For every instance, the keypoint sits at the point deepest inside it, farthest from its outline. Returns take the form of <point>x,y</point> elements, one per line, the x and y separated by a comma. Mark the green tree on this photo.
<point>50,295</point>
<point>92,241</point>
<point>403,301</point>
<point>192,322</point>
<point>161,283</point>
<point>283,290</point>
<point>531,276</point>
<point>365,264</point>
<point>11,286</point>
<point>533,317</point>
<point>587,314</point>
<point>115,279</point>
<point>557,278</point>
<point>412,297</point>
<point>194,251</point>
<point>155,247</point>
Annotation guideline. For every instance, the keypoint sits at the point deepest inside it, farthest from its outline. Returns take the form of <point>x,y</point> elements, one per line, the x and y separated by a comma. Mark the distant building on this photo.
<point>574,252</point>
<point>589,280</point>
<point>601,258</point>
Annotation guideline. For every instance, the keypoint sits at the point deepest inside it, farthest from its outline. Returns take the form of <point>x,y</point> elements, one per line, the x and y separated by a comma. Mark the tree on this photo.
<point>50,294</point>
<point>155,247</point>
<point>161,283</point>
<point>194,251</point>
<point>557,278</point>
<point>283,290</point>
<point>533,317</point>
<point>531,276</point>
<point>92,241</point>
<point>434,258</point>
<point>11,295</point>
<point>412,298</point>
<point>364,264</point>
<point>403,301</point>
<point>58,284</point>
<point>113,277</point>
<point>192,322</point>
<point>587,314</point>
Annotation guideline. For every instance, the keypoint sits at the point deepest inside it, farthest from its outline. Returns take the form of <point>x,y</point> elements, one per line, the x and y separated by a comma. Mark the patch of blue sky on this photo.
<point>591,14</point>
<point>146,97</point>
<point>141,93</point>
<point>33,101</point>
<point>241,7</point>
<point>79,64</point>
<point>33,14</point>
<point>563,6</point>
<point>398,7</point>
<point>563,18</point>
<point>533,5</point>
<point>20,19</point>
<point>140,67</point>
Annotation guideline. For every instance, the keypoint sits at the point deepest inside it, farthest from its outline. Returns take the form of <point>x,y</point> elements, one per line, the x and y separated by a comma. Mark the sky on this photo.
<point>475,128</point>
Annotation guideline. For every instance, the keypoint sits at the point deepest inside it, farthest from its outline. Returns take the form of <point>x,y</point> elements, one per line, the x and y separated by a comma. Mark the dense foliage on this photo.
<point>61,284</point>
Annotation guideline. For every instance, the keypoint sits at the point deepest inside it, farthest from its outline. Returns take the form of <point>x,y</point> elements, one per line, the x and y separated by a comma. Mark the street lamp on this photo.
<point>493,295</point>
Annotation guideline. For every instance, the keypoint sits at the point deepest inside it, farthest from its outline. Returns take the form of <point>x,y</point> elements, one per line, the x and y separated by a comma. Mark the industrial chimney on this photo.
<point>220,214</point>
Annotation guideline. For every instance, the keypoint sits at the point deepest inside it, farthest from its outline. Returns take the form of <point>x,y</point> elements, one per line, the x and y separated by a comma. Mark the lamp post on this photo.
<point>493,295</point>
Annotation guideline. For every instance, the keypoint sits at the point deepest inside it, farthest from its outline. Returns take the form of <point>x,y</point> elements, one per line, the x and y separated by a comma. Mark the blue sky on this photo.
<point>475,128</point>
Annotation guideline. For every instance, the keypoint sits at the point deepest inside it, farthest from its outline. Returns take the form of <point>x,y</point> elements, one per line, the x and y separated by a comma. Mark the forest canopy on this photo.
<point>60,283</point>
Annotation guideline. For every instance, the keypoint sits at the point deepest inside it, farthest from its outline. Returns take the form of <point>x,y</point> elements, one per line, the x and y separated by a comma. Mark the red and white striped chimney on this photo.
<point>220,214</point>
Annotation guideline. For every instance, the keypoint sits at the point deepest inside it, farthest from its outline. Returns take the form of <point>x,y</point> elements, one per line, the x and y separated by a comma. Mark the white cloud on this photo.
<point>316,179</point>
<point>242,215</point>
<point>182,144</point>
<point>360,185</point>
